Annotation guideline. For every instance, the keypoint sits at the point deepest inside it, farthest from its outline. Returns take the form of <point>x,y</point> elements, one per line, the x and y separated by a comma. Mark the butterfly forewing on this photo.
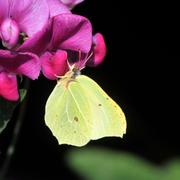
<point>68,116</point>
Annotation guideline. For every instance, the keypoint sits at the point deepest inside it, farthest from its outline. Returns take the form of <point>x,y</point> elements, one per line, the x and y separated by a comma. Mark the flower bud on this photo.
<point>9,32</point>
<point>8,86</point>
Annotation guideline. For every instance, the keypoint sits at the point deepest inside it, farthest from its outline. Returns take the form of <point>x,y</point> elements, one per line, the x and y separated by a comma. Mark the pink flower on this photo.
<point>16,16</point>
<point>64,34</point>
<point>19,22</point>
<point>23,19</point>
<point>61,36</point>
<point>60,44</point>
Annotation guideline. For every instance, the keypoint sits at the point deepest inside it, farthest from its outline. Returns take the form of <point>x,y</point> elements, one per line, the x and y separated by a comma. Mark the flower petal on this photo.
<point>8,86</point>
<point>71,3</point>
<point>99,50</point>
<point>56,7</point>
<point>54,65</point>
<point>27,64</point>
<point>64,31</point>
<point>72,32</point>
<point>4,9</point>
<point>31,15</point>
<point>39,42</point>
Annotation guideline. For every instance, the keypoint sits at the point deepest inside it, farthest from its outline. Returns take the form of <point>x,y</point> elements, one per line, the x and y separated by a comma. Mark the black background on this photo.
<point>140,72</point>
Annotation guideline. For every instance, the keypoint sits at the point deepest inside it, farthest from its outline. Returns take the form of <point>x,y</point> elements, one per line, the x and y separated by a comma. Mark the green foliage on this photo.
<point>7,109</point>
<point>100,164</point>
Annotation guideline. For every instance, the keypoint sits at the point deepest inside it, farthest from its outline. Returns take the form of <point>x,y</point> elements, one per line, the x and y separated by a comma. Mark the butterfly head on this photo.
<point>75,68</point>
<point>80,64</point>
<point>74,71</point>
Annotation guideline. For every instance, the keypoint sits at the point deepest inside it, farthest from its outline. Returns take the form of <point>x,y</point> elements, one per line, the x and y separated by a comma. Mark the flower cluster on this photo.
<point>42,36</point>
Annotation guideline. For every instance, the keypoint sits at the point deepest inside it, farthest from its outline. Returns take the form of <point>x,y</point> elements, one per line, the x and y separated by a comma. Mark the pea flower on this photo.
<point>63,35</point>
<point>25,17</point>
<point>45,46</point>
<point>60,44</point>
<point>19,22</point>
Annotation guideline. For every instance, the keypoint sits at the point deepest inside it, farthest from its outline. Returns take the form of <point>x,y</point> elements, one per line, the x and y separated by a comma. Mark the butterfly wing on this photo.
<point>107,117</point>
<point>67,114</point>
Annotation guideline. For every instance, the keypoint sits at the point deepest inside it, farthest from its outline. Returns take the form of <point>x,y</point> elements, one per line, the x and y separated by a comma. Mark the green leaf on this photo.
<point>97,164</point>
<point>7,108</point>
<point>172,170</point>
<point>22,93</point>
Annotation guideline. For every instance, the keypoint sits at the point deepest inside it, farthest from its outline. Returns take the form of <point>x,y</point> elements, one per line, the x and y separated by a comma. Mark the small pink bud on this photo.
<point>9,32</point>
<point>8,86</point>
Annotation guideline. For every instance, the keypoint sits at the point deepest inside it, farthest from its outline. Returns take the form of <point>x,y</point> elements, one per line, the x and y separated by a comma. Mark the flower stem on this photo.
<point>15,135</point>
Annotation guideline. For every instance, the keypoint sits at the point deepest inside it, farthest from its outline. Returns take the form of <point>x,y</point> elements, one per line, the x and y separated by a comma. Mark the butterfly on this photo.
<point>78,110</point>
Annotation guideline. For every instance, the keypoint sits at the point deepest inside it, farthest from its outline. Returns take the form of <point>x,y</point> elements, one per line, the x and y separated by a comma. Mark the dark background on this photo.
<point>140,73</point>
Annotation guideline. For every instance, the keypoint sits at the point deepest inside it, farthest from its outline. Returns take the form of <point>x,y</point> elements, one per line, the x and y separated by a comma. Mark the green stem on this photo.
<point>15,135</point>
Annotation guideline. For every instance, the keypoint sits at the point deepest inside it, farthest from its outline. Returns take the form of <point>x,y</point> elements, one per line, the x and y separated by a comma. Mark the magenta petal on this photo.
<point>31,15</point>
<point>29,65</point>
<point>8,86</point>
<point>64,31</point>
<point>39,42</point>
<point>99,50</point>
<point>54,65</point>
<point>4,5</point>
<point>72,32</point>
<point>26,64</point>
<point>56,7</point>
<point>71,3</point>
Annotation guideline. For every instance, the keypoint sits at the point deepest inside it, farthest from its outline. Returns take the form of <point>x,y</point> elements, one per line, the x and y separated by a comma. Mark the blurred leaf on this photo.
<point>97,164</point>
<point>7,108</point>
<point>172,170</point>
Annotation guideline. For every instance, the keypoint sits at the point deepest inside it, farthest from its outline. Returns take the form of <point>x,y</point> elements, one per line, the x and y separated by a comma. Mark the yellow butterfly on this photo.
<point>78,110</point>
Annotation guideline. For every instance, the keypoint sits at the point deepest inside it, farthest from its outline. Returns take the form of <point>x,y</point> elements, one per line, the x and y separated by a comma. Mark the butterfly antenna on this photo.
<point>79,55</point>
<point>86,60</point>
<point>69,65</point>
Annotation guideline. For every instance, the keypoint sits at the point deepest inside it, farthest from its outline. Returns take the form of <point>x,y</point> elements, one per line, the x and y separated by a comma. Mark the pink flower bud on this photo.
<point>8,86</point>
<point>9,32</point>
